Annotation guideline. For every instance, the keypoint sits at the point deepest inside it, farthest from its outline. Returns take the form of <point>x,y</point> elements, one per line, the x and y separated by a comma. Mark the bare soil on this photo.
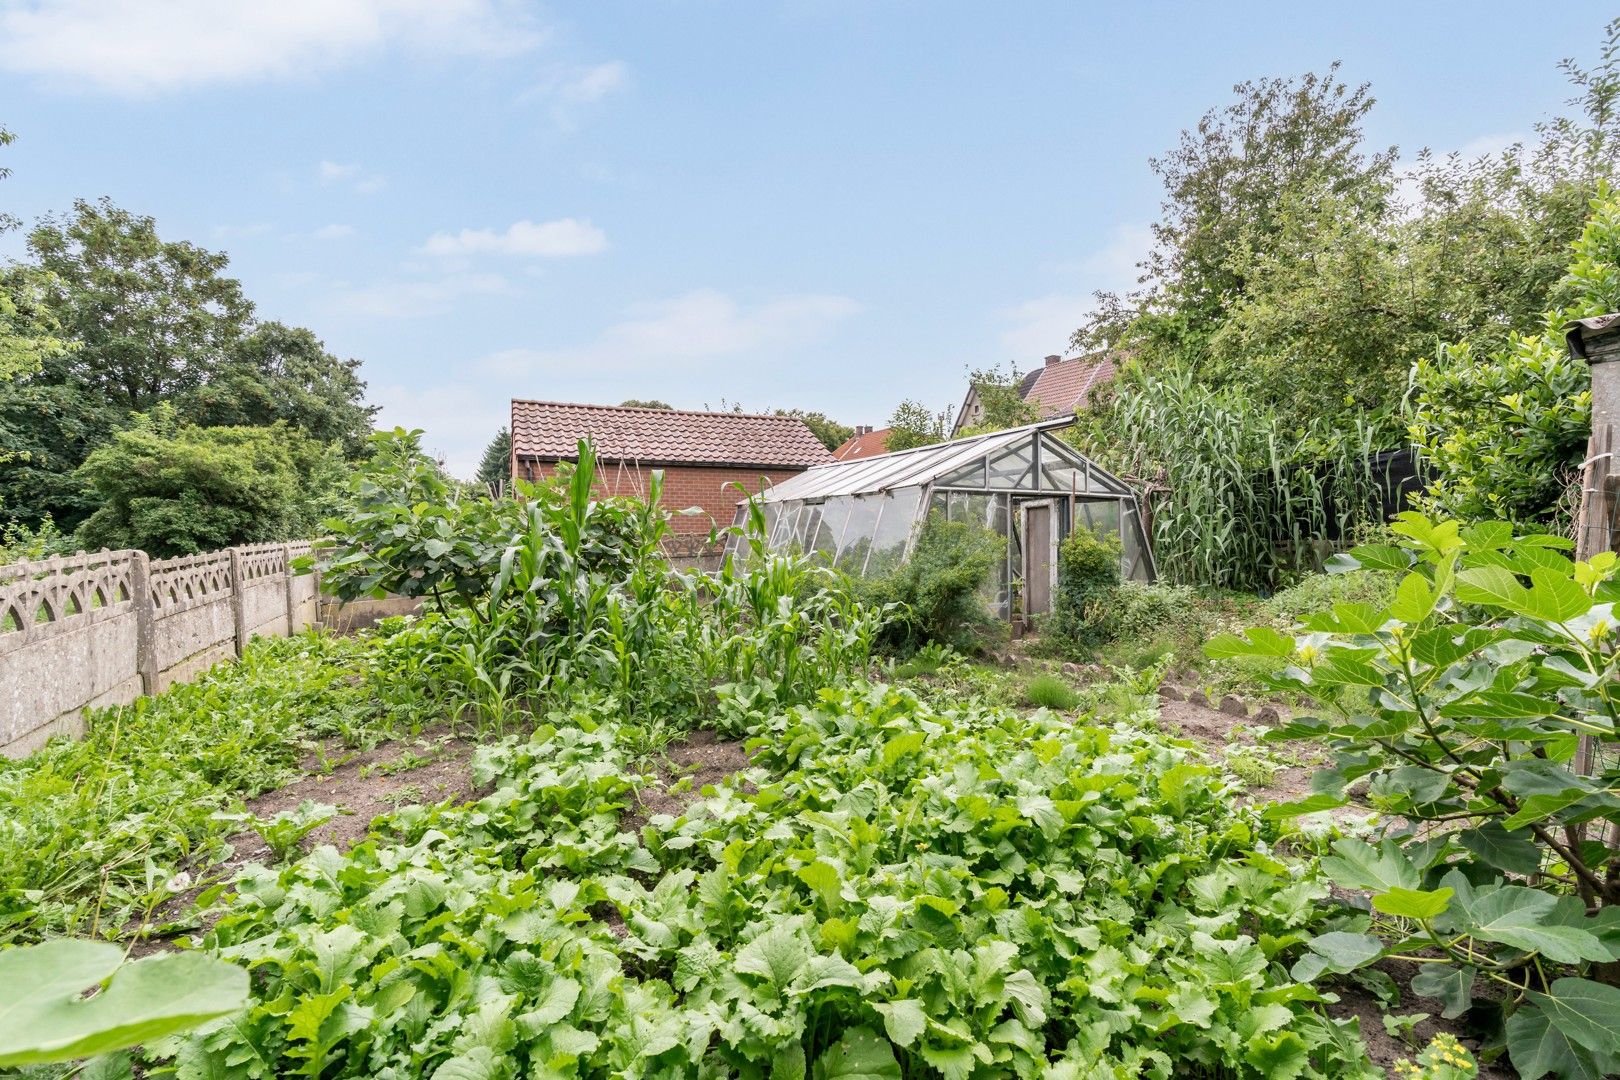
<point>365,784</point>
<point>701,760</point>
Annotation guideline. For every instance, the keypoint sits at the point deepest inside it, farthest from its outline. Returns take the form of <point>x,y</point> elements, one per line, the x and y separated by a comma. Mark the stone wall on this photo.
<point>91,630</point>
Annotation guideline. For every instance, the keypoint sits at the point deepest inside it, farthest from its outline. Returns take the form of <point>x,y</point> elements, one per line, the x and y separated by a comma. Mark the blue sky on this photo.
<point>830,204</point>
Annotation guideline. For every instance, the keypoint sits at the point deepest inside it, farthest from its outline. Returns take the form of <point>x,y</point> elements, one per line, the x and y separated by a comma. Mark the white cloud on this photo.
<point>546,239</point>
<point>703,325</point>
<point>1041,326</point>
<point>152,46</point>
<point>349,175</point>
<point>233,232</point>
<point>334,232</point>
<point>570,89</point>
<point>585,85</point>
<point>405,299</point>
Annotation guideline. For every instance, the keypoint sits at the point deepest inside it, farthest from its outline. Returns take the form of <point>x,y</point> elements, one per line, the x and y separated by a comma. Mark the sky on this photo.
<point>821,204</point>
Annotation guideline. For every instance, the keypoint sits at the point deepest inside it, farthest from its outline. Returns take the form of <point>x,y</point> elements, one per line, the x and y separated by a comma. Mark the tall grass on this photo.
<point>1233,502</point>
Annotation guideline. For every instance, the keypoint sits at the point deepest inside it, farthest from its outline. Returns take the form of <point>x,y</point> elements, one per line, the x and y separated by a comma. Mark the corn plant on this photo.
<point>1232,501</point>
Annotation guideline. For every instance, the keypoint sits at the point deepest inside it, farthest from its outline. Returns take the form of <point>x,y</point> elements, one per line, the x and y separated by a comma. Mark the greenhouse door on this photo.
<point>1040,557</point>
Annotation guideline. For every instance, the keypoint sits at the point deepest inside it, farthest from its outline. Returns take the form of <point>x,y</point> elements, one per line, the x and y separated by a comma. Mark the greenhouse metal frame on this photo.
<point>1025,484</point>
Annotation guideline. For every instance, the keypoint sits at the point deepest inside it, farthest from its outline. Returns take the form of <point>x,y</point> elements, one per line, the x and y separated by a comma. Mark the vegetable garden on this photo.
<point>904,878</point>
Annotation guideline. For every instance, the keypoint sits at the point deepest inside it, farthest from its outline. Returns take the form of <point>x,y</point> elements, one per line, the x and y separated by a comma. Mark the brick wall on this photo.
<point>684,486</point>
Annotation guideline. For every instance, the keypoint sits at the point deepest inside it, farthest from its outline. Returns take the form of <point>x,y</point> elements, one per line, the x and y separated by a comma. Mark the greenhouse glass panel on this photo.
<point>894,530</point>
<point>864,514</point>
<point>830,529</point>
<point>804,534</point>
<point>772,513</point>
<point>1061,476</point>
<point>857,541</point>
<point>1101,517</point>
<point>1014,468</point>
<point>967,476</point>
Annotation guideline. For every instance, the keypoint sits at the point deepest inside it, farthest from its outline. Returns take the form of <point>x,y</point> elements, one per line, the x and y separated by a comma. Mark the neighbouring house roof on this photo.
<point>863,444</point>
<point>1058,388</point>
<point>1062,386</point>
<point>551,431</point>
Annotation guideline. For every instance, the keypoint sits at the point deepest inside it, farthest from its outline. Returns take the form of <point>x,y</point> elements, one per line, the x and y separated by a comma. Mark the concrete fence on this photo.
<point>99,629</point>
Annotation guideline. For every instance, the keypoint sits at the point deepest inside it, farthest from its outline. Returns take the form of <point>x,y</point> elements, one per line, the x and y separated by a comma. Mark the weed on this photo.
<point>283,832</point>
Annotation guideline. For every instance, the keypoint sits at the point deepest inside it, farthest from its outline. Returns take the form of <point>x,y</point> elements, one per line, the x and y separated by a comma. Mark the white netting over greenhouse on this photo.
<point>1024,484</point>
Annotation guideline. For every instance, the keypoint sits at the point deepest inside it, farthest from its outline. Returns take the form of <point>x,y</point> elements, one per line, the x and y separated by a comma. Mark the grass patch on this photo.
<point>1050,692</point>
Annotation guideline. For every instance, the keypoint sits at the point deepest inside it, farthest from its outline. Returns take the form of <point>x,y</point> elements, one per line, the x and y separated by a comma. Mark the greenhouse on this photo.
<point>1025,484</point>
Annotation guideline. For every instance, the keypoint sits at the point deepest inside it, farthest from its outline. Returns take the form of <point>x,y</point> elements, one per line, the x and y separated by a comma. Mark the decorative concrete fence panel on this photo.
<point>193,618</point>
<point>69,638</point>
<point>90,630</point>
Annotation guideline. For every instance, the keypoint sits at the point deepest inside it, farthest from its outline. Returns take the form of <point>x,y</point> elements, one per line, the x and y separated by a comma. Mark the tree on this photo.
<point>912,424</point>
<point>1000,403</point>
<point>1504,433</point>
<point>28,334</point>
<point>650,403</point>
<point>1230,186</point>
<point>152,318</point>
<point>144,321</point>
<point>173,490</point>
<point>495,467</point>
<point>285,373</point>
<point>830,433</point>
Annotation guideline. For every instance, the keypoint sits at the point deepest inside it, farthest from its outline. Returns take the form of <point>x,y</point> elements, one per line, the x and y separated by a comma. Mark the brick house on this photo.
<point>1059,387</point>
<point>700,453</point>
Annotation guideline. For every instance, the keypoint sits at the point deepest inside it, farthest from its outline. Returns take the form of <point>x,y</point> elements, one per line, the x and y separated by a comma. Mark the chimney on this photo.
<point>863,429</point>
<point>1050,360</point>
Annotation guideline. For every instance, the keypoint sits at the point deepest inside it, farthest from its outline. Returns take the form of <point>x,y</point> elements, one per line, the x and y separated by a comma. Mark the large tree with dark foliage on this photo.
<point>145,322</point>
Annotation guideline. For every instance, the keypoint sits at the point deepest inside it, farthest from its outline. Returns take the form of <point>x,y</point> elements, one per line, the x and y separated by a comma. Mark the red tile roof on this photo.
<point>551,430</point>
<point>1066,385</point>
<point>867,444</point>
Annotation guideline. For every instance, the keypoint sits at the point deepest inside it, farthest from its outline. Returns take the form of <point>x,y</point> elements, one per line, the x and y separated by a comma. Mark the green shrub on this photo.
<point>1088,567</point>
<point>1135,609</point>
<point>1319,592</point>
<point>1050,692</point>
<point>1504,433</point>
<point>938,592</point>
<point>174,490</point>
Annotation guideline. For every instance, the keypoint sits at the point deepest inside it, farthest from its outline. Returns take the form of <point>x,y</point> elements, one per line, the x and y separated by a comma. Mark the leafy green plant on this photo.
<point>1050,692</point>
<point>48,1019</point>
<point>285,831</point>
<point>1480,705</point>
<point>891,890</point>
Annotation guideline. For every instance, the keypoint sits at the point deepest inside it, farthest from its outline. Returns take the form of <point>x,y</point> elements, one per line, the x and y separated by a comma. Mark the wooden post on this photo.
<point>238,600</point>
<point>140,594</point>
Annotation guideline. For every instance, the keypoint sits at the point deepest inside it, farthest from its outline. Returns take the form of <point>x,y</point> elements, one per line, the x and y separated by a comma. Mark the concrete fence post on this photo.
<point>140,594</point>
<point>287,583</point>
<point>238,600</point>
